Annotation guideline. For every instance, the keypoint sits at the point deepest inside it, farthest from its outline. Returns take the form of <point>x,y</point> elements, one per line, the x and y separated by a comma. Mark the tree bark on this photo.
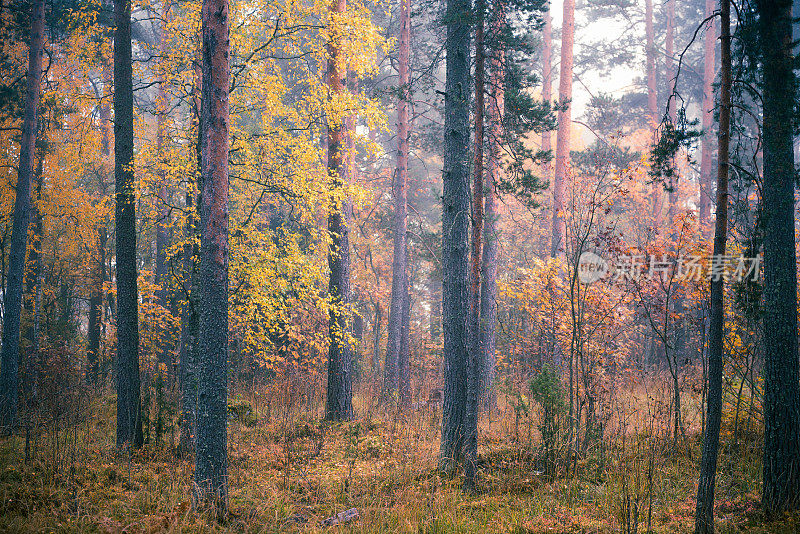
<point>162,226</point>
<point>95,327</point>
<point>404,360</point>
<point>671,108</point>
<point>129,420</point>
<point>652,100</point>
<point>704,515</point>
<point>475,367</point>
<point>211,460</point>
<point>400,193</point>
<point>781,400</point>
<point>547,84</point>
<point>34,283</point>
<point>455,220</point>
<point>9,369</point>
<point>558,242</point>
<point>190,314</point>
<point>490,230</point>
<point>339,399</point>
<point>706,181</point>
<point>376,341</point>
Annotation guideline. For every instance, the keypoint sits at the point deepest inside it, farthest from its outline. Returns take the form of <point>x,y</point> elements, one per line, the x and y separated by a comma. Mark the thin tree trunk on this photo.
<point>706,181</point>
<point>558,242</point>
<point>339,399</point>
<point>672,108</point>
<point>400,193</point>
<point>652,99</point>
<point>490,241</point>
<point>781,399</point>
<point>32,363</point>
<point>96,297</point>
<point>404,360</point>
<point>9,369</point>
<point>162,226</point>
<point>129,420</point>
<point>376,341</point>
<point>190,313</point>
<point>455,233</point>
<point>211,459</point>
<point>547,82</point>
<point>474,372</point>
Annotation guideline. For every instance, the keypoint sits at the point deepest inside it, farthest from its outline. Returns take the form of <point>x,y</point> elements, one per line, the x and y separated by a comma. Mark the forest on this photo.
<point>423,266</point>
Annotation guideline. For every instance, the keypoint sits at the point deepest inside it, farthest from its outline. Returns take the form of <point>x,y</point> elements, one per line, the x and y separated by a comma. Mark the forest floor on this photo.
<point>288,474</point>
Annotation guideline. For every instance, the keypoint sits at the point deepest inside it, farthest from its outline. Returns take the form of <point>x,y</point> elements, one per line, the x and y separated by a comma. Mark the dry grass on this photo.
<point>289,472</point>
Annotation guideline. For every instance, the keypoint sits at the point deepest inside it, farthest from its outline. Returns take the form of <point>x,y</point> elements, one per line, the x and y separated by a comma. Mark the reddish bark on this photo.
<point>706,180</point>
<point>19,234</point>
<point>400,192</point>
<point>704,514</point>
<point>547,85</point>
<point>558,242</point>
<point>211,464</point>
<point>339,399</point>
<point>652,100</point>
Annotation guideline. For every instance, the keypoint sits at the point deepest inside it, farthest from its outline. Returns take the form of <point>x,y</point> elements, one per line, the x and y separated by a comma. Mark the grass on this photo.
<point>290,472</point>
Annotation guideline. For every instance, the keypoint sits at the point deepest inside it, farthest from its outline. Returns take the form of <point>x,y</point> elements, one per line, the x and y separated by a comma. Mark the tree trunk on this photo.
<point>490,242</point>
<point>162,226</point>
<point>95,321</point>
<point>339,399</point>
<point>547,83</point>
<point>474,369</point>
<point>455,220</point>
<point>781,400</point>
<point>211,460</point>
<point>704,515</point>
<point>404,360</point>
<point>30,382</point>
<point>9,369</point>
<point>376,341</point>
<point>129,420</point>
<point>400,193</point>
<point>95,328</point>
<point>671,108</point>
<point>190,313</point>
<point>706,181</point>
<point>652,100</point>
<point>558,243</point>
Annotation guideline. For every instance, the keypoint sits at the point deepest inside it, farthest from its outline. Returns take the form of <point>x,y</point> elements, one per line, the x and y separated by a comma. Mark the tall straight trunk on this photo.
<point>404,356</point>
<point>490,243</point>
<point>211,459</point>
<point>400,193</point>
<point>781,400</point>
<point>190,314</point>
<point>95,327</point>
<point>652,99</point>
<point>9,368</point>
<point>558,242</point>
<point>455,232</point>
<point>706,180</point>
<point>95,320</point>
<point>474,364</point>
<point>339,399</point>
<point>30,382</point>
<point>435,289</point>
<point>376,341</point>
<point>129,420</point>
<point>704,515</point>
<point>547,83</point>
<point>162,226</point>
<point>672,108</point>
